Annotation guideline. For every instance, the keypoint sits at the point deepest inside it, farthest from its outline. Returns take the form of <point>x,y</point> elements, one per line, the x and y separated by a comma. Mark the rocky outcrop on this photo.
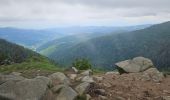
<point>67,93</point>
<point>152,74</point>
<point>27,89</point>
<point>138,64</point>
<point>59,77</point>
<point>72,76</point>
<point>78,86</point>
<point>5,78</point>
<point>16,87</point>
<point>81,88</point>
<point>143,66</point>
<point>88,79</point>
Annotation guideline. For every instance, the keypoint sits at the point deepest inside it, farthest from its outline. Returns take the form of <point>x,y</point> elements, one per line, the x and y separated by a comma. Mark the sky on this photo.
<point>56,13</point>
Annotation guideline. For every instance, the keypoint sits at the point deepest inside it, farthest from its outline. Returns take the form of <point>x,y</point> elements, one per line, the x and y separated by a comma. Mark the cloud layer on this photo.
<point>82,12</point>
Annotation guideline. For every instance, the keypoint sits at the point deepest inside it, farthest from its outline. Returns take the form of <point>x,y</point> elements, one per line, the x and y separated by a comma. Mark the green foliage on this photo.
<point>82,64</point>
<point>12,53</point>
<point>33,63</point>
<point>15,58</point>
<point>105,51</point>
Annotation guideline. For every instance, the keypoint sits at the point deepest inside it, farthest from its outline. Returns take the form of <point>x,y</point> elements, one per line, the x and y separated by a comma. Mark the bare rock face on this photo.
<point>67,93</point>
<point>59,77</point>
<point>138,64</point>
<point>81,88</point>
<point>152,74</point>
<point>72,76</point>
<point>87,79</point>
<point>27,89</point>
<point>5,78</point>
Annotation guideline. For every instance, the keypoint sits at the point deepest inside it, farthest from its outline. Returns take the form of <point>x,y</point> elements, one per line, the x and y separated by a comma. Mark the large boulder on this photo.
<point>81,88</point>
<point>67,93</point>
<point>12,77</point>
<point>152,74</point>
<point>27,89</point>
<point>59,77</point>
<point>138,64</point>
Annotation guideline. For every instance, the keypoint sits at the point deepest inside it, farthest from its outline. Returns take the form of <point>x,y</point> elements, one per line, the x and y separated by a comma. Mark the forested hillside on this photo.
<point>12,53</point>
<point>17,58</point>
<point>152,42</point>
<point>81,34</point>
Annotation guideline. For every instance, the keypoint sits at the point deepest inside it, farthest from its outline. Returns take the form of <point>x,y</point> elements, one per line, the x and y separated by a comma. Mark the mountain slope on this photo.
<point>84,34</point>
<point>35,38</point>
<point>14,57</point>
<point>152,42</point>
<point>14,53</point>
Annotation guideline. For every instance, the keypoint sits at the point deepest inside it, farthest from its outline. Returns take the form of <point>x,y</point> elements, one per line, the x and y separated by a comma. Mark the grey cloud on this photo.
<point>101,3</point>
<point>81,10</point>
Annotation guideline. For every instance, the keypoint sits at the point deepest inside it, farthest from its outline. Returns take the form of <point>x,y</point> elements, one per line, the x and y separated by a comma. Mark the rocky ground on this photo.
<point>146,83</point>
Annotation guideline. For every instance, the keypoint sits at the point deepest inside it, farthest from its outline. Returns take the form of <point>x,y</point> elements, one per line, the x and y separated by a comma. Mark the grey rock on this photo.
<point>87,72</point>
<point>16,73</point>
<point>88,97</point>
<point>7,91</point>
<point>138,64</point>
<point>98,78</point>
<point>166,97</point>
<point>152,74</point>
<point>27,89</point>
<point>5,78</point>
<point>56,89</point>
<point>87,79</point>
<point>60,77</point>
<point>67,93</point>
<point>72,76</point>
<point>81,88</point>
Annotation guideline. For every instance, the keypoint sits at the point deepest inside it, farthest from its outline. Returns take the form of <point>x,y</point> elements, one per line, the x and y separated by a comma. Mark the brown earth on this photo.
<point>129,87</point>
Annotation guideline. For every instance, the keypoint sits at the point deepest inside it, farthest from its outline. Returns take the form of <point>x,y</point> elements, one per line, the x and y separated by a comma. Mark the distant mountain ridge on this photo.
<point>103,52</point>
<point>26,37</point>
<point>34,38</point>
<point>83,34</point>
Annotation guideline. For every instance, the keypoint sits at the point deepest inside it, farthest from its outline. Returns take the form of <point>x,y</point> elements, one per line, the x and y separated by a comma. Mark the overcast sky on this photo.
<point>52,13</point>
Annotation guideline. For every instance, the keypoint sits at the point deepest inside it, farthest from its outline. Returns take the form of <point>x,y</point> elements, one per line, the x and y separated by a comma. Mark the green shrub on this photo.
<point>82,64</point>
